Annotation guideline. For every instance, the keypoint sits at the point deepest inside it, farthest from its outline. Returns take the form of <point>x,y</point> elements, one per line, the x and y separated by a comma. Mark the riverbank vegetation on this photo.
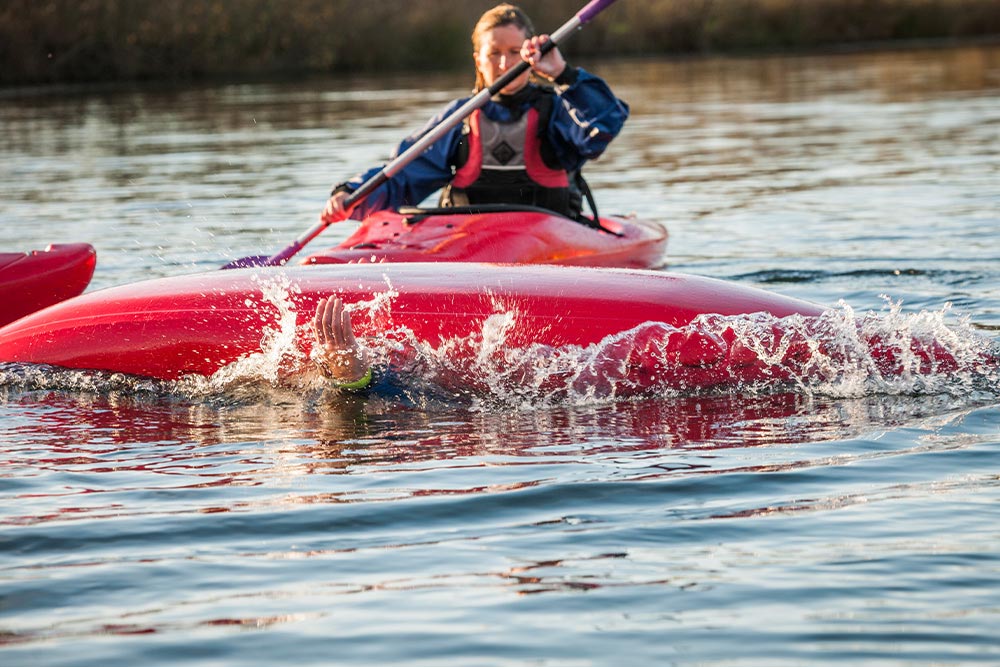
<point>46,41</point>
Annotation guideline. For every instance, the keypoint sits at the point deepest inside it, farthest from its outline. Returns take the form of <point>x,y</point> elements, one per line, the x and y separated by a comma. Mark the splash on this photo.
<point>278,356</point>
<point>842,354</point>
<point>838,354</point>
<point>281,362</point>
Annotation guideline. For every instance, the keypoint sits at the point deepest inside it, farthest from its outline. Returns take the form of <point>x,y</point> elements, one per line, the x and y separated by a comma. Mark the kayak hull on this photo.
<point>499,234</point>
<point>30,281</point>
<point>196,325</point>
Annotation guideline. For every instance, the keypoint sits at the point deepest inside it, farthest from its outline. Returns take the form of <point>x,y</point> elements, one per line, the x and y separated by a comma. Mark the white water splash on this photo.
<point>281,362</point>
<point>838,354</point>
<point>279,355</point>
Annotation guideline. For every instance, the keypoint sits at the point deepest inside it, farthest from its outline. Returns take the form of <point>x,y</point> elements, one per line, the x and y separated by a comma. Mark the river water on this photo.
<point>844,524</point>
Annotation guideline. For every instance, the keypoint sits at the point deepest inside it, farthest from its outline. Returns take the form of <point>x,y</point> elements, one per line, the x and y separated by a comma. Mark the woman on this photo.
<point>525,146</point>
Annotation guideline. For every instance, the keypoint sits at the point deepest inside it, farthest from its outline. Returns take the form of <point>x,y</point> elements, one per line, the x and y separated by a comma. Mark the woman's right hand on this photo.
<point>334,211</point>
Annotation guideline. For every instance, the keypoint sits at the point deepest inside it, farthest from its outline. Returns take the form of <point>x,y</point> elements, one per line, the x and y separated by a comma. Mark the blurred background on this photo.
<point>50,41</point>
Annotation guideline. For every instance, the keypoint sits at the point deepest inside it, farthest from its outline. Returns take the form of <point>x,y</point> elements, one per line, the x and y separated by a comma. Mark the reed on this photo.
<point>101,40</point>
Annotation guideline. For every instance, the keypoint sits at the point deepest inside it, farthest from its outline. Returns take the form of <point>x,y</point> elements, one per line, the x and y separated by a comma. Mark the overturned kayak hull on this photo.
<point>499,234</point>
<point>30,281</point>
<point>199,324</point>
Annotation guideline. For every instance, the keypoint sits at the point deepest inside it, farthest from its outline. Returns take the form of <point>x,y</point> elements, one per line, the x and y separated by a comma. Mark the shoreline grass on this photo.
<point>70,41</point>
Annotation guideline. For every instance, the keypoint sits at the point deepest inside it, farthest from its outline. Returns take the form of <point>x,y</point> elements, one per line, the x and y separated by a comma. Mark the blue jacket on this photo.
<point>579,129</point>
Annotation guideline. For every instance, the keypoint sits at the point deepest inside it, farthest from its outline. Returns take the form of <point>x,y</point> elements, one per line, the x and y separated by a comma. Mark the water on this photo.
<point>841,523</point>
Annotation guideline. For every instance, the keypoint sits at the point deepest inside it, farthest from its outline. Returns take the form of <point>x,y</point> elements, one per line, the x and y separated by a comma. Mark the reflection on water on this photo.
<point>176,444</point>
<point>884,77</point>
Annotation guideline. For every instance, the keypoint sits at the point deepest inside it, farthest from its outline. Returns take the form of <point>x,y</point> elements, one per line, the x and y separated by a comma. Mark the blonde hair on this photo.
<point>499,16</point>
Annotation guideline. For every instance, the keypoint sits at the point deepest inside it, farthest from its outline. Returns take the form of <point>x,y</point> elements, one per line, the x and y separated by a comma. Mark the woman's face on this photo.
<point>499,50</point>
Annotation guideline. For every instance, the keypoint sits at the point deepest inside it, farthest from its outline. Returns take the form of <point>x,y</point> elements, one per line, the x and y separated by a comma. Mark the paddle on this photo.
<point>583,16</point>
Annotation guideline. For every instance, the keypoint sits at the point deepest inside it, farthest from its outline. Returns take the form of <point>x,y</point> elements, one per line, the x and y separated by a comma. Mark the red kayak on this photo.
<point>470,328</point>
<point>30,281</point>
<point>499,233</point>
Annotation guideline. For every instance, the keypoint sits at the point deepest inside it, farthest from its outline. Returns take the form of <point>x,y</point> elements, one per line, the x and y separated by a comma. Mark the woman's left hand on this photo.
<point>549,66</point>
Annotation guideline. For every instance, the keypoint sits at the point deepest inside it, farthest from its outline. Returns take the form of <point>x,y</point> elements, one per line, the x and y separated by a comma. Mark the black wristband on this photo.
<point>568,76</point>
<point>341,187</point>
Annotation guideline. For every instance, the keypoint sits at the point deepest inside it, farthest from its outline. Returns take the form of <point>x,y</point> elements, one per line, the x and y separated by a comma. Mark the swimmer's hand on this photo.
<point>337,353</point>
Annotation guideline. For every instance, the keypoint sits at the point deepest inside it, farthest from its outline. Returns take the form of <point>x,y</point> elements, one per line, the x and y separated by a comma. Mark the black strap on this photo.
<point>584,187</point>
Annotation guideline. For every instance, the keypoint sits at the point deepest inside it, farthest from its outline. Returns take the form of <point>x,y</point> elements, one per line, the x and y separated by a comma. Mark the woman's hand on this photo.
<point>549,66</point>
<point>334,210</point>
<point>339,356</point>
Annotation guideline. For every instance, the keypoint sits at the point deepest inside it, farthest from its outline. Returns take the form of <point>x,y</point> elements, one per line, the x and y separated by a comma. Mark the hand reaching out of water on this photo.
<point>339,356</point>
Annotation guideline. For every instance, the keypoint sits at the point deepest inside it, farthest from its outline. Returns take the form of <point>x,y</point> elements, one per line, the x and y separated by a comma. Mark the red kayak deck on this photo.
<point>30,281</point>
<point>468,314</point>
<point>499,233</point>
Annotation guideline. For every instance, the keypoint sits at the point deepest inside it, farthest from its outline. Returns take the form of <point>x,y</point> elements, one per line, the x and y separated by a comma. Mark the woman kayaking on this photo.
<point>526,146</point>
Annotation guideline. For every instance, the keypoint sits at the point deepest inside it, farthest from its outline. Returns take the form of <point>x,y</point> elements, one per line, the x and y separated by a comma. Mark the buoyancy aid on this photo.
<point>511,163</point>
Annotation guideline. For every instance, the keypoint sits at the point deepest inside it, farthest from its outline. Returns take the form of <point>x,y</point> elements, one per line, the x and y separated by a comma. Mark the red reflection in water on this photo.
<point>90,445</point>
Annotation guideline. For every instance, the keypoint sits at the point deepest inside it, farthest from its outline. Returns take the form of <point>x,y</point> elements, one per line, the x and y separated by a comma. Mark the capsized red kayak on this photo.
<point>30,281</point>
<point>474,328</point>
<point>499,233</point>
